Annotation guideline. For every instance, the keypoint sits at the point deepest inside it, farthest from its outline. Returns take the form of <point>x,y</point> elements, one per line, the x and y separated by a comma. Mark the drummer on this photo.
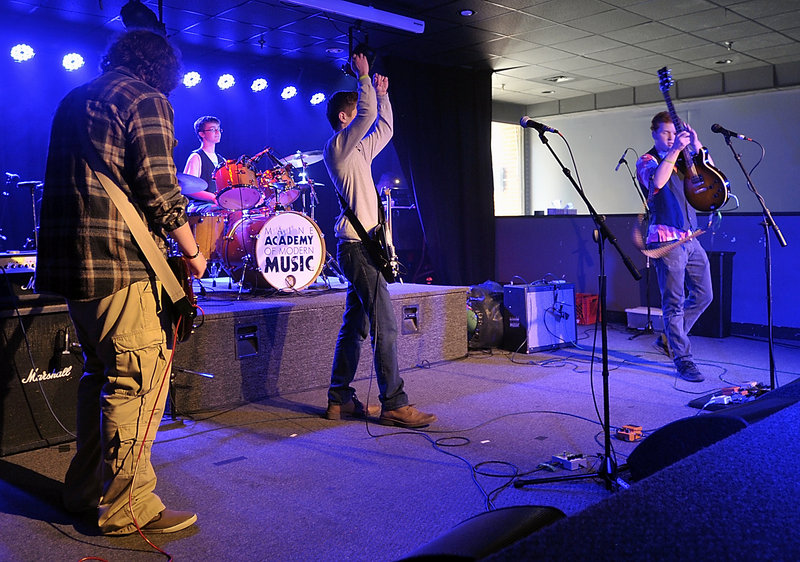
<point>202,163</point>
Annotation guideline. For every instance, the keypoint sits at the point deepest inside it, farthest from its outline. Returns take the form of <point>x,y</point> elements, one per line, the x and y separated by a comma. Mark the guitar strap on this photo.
<point>137,227</point>
<point>351,216</point>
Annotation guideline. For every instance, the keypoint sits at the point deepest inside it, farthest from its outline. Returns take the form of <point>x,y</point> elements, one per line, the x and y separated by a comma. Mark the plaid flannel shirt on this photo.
<point>86,250</point>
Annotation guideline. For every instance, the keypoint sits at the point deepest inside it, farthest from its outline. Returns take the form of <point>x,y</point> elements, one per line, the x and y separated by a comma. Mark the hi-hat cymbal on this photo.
<point>191,184</point>
<point>299,158</point>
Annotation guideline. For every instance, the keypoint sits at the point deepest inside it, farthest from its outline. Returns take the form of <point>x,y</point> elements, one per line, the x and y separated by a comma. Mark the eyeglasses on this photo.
<point>213,129</point>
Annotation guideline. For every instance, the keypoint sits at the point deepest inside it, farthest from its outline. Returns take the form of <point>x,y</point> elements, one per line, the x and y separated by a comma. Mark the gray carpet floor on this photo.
<point>275,481</point>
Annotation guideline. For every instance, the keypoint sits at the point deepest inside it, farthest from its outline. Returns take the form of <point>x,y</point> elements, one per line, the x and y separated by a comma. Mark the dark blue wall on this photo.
<point>532,247</point>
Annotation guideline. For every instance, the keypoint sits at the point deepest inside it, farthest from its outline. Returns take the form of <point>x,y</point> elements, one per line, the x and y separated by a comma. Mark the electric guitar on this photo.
<point>706,187</point>
<point>184,309</point>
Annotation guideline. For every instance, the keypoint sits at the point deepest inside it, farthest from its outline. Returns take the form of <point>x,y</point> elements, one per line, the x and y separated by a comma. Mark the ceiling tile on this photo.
<point>589,45</point>
<point>610,20</point>
<point>552,34</point>
<point>511,23</point>
<point>703,20</point>
<point>640,33</point>
<point>620,53</point>
<point>561,11</point>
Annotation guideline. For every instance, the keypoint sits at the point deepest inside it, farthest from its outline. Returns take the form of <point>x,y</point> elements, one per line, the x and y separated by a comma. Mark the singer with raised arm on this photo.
<point>362,125</point>
<point>672,219</point>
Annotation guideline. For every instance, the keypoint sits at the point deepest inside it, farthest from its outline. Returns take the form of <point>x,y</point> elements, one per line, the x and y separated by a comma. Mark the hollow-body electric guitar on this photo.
<point>706,187</point>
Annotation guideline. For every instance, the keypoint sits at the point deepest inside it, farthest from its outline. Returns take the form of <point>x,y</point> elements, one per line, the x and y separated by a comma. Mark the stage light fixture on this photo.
<point>136,15</point>
<point>72,61</point>
<point>22,52</point>
<point>363,13</point>
<point>289,92</point>
<point>191,79</point>
<point>317,98</point>
<point>259,84</point>
<point>226,81</point>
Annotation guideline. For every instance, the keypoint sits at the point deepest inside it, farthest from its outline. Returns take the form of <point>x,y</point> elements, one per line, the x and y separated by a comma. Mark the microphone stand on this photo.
<point>648,328</point>
<point>767,223</point>
<point>608,468</point>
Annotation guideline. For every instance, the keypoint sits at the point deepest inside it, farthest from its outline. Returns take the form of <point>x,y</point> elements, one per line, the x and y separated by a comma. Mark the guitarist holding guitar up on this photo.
<point>673,219</point>
<point>362,125</point>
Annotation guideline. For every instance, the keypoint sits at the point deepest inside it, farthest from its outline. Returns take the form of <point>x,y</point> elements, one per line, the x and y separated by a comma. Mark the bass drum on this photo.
<point>285,251</point>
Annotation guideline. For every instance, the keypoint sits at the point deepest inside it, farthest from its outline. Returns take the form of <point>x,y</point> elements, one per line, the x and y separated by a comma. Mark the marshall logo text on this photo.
<point>36,376</point>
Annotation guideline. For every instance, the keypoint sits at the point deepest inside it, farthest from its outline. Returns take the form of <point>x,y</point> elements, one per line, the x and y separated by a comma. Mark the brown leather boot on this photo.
<point>406,416</point>
<point>353,409</point>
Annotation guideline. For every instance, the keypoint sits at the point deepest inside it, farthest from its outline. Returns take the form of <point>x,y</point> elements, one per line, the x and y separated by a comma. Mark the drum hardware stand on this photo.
<point>32,185</point>
<point>608,467</point>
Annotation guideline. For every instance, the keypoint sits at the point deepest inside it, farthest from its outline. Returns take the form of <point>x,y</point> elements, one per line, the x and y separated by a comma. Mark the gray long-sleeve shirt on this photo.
<point>348,156</point>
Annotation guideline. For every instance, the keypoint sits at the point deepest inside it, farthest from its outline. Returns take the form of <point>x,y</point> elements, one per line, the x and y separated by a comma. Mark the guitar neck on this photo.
<point>689,151</point>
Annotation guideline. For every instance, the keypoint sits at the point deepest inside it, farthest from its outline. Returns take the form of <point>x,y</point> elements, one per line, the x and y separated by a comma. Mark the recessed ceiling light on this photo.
<point>548,91</point>
<point>334,50</point>
<point>467,13</point>
<point>724,61</point>
<point>560,78</point>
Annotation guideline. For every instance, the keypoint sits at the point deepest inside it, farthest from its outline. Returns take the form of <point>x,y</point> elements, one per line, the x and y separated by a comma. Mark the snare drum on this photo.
<point>285,251</point>
<point>237,187</point>
<point>208,229</point>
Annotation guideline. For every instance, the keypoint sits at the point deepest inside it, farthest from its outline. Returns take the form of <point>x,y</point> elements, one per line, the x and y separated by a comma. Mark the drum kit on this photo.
<point>257,236</point>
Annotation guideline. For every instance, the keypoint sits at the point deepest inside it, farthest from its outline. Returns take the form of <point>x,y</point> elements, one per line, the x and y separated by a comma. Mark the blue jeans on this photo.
<point>367,307</point>
<point>685,267</point>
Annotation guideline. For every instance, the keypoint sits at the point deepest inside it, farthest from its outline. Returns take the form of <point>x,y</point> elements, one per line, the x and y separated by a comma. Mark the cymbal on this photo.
<point>191,184</point>
<point>298,158</point>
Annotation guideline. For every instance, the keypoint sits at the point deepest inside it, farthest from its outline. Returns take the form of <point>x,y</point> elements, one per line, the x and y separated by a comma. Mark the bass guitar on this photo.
<point>706,187</point>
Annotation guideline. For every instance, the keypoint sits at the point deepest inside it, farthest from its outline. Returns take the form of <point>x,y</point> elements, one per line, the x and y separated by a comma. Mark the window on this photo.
<point>507,159</point>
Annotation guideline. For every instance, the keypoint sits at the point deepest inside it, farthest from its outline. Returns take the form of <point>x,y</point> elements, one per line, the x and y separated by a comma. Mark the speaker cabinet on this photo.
<point>40,366</point>
<point>538,317</point>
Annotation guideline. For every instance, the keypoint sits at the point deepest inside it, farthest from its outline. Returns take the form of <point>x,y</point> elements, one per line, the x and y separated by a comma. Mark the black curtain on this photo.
<point>442,135</point>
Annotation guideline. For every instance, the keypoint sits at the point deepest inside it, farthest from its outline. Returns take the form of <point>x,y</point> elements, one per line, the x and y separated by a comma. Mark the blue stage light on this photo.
<point>289,92</point>
<point>191,79</point>
<point>72,61</point>
<point>22,52</point>
<point>259,84</point>
<point>226,81</point>
<point>317,98</point>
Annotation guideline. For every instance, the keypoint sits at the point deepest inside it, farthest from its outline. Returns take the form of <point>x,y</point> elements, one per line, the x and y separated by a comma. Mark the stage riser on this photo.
<point>258,353</point>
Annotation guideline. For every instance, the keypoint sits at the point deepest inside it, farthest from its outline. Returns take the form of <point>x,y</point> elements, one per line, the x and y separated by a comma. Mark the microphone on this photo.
<point>717,128</point>
<point>258,156</point>
<point>621,159</point>
<point>528,123</point>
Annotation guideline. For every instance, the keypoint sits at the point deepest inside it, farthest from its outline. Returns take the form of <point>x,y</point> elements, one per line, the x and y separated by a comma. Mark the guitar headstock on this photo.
<point>665,81</point>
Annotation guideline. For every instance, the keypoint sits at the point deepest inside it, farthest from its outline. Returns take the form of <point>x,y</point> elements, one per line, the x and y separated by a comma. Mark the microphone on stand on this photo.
<point>717,128</point>
<point>528,123</point>
<point>258,156</point>
<point>621,159</point>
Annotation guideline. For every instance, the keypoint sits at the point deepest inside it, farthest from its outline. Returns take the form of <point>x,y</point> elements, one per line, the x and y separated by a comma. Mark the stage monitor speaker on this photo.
<point>40,366</point>
<point>678,440</point>
<point>538,317</point>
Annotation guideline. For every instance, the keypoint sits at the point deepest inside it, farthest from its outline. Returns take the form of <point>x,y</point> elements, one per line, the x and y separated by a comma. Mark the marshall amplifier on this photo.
<point>40,366</point>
